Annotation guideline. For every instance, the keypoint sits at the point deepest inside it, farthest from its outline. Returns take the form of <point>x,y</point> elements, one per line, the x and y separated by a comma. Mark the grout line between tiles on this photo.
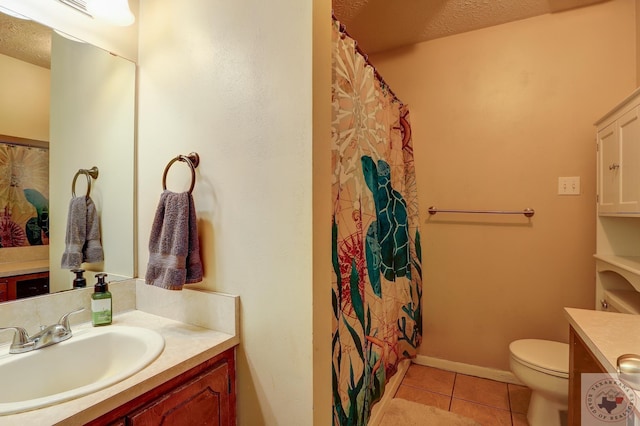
<point>451,397</point>
<point>453,389</point>
<point>426,390</point>
<point>480,403</point>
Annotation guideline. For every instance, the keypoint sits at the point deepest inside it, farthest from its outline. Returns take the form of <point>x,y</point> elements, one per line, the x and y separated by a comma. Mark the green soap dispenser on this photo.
<point>101,302</point>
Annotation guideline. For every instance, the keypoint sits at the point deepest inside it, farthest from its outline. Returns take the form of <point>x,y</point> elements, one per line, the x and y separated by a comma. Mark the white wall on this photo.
<point>233,82</point>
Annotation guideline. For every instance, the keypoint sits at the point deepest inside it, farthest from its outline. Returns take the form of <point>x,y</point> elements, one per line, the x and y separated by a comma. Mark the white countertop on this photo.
<point>607,334</point>
<point>22,268</point>
<point>185,347</point>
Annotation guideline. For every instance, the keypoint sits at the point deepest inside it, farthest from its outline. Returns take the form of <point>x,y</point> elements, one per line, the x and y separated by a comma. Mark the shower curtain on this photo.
<point>377,281</point>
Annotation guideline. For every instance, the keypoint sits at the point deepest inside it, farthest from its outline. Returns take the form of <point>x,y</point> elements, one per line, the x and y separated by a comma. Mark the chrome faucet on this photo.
<point>48,336</point>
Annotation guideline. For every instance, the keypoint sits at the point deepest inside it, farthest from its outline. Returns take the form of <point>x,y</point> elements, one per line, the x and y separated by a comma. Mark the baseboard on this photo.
<point>389,391</point>
<point>468,369</point>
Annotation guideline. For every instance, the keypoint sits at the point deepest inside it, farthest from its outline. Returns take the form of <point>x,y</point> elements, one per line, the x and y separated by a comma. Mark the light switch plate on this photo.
<point>569,185</point>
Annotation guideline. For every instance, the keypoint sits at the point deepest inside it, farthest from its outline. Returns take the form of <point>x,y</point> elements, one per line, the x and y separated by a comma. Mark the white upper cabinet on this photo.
<point>619,160</point>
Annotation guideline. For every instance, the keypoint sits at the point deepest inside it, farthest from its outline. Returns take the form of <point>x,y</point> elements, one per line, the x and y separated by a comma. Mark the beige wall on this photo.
<point>322,214</point>
<point>637,14</point>
<point>24,104</point>
<point>498,115</point>
<point>233,81</point>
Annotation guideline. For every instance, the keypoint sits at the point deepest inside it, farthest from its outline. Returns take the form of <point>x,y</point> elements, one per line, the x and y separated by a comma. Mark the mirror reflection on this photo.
<point>67,106</point>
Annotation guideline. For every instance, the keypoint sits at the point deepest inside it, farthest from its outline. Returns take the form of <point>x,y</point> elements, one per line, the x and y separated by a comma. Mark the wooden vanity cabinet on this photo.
<point>204,395</point>
<point>581,360</point>
<point>30,285</point>
<point>21,286</point>
<point>4,289</point>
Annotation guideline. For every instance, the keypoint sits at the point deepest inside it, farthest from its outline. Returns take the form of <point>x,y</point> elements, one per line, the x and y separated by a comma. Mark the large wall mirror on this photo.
<point>80,100</point>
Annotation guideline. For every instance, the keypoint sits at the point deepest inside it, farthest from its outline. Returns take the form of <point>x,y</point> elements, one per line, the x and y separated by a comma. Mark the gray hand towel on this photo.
<point>83,234</point>
<point>76,233</point>
<point>174,251</point>
<point>92,251</point>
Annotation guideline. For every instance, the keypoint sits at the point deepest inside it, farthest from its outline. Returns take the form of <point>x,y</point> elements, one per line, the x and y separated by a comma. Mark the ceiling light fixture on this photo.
<point>114,12</point>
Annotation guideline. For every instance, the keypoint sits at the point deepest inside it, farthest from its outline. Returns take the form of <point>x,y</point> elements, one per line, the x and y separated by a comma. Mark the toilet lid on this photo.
<point>543,355</point>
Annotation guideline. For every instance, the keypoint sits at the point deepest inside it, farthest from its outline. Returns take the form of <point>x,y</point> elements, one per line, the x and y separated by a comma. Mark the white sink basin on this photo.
<point>89,361</point>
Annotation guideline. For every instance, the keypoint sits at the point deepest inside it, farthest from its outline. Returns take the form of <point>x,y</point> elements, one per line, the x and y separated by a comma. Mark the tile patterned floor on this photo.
<point>486,401</point>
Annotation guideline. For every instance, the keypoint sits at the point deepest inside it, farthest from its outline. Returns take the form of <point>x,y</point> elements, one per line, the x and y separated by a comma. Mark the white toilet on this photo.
<point>543,366</point>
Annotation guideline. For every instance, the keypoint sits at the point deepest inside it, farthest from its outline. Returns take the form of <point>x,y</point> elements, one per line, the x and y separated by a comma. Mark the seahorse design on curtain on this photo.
<point>377,287</point>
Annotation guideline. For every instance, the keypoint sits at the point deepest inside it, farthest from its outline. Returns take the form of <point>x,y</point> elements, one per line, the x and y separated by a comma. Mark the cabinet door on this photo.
<point>204,400</point>
<point>581,360</point>
<point>4,290</point>
<point>608,167</point>
<point>629,171</point>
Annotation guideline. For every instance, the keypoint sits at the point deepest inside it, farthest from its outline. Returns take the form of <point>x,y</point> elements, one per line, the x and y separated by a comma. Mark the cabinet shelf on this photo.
<point>627,301</point>
<point>628,267</point>
<point>627,263</point>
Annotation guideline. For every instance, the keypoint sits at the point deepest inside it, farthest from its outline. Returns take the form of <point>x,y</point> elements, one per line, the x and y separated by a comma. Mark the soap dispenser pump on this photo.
<point>79,281</point>
<point>101,306</point>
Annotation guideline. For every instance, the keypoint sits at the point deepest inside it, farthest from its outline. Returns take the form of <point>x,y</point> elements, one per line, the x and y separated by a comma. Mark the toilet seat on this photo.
<point>545,356</point>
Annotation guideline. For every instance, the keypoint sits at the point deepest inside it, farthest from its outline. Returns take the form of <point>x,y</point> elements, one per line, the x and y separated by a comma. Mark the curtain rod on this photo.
<point>343,30</point>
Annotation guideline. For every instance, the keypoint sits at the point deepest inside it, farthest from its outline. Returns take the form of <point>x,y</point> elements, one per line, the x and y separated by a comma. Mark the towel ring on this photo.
<point>91,173</point>
<point>192,161</point>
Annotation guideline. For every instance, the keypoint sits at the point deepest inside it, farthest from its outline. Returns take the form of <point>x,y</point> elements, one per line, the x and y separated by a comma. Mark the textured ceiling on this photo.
<point>383,24</point>
<point>376,24</point>
<point>25,40</point>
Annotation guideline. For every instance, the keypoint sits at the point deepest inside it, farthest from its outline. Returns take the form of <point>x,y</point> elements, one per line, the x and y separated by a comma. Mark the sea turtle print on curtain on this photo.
<point>377,282</point>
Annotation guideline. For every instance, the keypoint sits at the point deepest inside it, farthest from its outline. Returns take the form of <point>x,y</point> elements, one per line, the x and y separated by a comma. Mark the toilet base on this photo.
<point>545,412</point>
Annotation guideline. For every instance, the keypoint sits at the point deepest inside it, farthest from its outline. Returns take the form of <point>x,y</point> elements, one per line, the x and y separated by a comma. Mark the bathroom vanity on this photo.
<point>203,395</point>
<point>581,360</point>
<point>597,339</point>
<point>194,373</point>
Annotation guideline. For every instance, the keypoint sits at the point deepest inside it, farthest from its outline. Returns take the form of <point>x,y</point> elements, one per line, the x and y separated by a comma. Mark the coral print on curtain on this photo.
<point>377,285</point>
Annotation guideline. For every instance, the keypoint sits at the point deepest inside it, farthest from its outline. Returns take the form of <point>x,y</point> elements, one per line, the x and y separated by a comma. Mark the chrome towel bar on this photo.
<point>528,212</point>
